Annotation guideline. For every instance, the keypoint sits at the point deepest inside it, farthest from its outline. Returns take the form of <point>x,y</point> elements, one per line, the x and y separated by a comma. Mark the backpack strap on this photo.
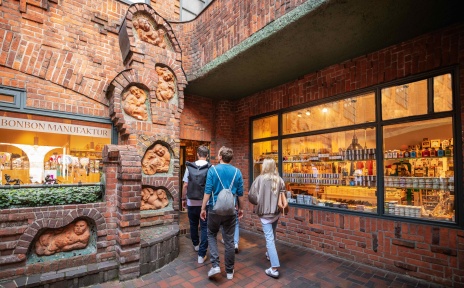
<point>231,184</point>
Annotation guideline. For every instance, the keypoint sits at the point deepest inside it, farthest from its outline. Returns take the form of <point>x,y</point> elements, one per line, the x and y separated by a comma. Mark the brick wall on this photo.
<point>196,120</point>
<point>225,24</point>
<point>19,227</point>
<point>65,53</point>
<point>425,251</point>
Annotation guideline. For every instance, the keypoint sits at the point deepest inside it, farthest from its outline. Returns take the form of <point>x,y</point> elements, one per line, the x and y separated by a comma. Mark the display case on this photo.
<point>332,170</point>
<point>397,159</point>
<point>54,153</point>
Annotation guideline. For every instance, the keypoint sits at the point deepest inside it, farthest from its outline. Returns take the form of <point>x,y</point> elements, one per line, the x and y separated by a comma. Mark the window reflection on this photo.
<point>353,110</point>
<point>404,100</point>
<point>442,92</point>
<point>265,127</point>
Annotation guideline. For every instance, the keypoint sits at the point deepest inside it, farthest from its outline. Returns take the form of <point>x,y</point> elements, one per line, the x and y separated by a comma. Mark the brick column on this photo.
<point>123,176</point>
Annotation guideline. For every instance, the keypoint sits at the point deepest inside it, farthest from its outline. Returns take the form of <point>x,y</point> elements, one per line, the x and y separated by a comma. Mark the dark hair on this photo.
<point>226,153</point>
<point>202,151</point>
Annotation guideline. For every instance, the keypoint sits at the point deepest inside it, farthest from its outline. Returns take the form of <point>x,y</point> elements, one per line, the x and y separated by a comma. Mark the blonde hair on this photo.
<point>269,171</point>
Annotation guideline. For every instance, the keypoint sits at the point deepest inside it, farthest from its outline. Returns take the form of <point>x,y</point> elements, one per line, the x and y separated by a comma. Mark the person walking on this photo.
<point>265,193</point>
<point>194,183</point>
<point>219,177</point>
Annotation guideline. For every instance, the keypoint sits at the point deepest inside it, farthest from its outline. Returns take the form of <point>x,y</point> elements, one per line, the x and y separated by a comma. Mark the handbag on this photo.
<point>283,203</point>
<point>253,194</point>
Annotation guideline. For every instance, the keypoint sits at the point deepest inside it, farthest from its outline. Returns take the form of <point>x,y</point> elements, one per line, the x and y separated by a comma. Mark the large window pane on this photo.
<point>265,127</point>
<point>443,93</point>
<point>354,110</point>
<point>262,150</point>
<point>35,157</point>
<point>404,100</point>
<point>335,170</point>
<point>419,169</point>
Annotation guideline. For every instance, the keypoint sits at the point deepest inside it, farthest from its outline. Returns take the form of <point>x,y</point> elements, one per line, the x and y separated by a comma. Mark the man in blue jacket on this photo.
<point>226,172</point>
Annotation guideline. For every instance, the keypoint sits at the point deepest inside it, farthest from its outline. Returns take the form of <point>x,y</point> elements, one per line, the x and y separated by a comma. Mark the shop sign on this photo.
<point>53,127</point>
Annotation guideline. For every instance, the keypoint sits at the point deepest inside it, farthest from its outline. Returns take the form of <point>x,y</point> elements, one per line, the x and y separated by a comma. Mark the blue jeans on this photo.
<point>270,234</point>
<point>237,229</point>
<point>215,222</point>
<point>194,219</point>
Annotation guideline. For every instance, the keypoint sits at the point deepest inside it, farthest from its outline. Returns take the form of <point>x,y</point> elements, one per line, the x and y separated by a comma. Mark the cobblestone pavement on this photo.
<point>300,268</point>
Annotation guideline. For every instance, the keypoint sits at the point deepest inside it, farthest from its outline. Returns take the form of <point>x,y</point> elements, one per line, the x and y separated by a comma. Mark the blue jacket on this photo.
<point>226,172</point>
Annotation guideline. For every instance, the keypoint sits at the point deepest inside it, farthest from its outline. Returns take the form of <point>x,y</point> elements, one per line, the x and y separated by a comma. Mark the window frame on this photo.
<point>379,124</point>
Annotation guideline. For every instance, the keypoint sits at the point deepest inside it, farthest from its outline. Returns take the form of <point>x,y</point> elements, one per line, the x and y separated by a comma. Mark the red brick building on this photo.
<point>111,83</point>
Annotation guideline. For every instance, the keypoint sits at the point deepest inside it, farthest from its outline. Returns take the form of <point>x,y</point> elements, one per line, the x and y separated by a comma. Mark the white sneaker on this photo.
<point>214,271</point>
<point>272,273</point>
<point>267,257</point>
<point>196,248</point>
<point>202,260</point>
<point>236,248</point>
<point>230,276</point>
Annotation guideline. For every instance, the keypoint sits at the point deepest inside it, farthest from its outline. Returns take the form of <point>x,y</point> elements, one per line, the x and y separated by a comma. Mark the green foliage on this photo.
<point>48,196</point>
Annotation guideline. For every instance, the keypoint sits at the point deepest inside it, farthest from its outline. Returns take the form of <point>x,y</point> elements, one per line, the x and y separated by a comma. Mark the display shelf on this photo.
<point>415,158</point>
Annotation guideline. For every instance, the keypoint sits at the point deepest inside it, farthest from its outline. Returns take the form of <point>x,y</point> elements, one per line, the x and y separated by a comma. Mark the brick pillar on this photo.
<point>123,176</point>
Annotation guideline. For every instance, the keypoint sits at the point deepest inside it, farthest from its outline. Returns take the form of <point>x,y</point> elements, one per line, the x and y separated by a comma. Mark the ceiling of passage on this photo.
<point>329,34</point>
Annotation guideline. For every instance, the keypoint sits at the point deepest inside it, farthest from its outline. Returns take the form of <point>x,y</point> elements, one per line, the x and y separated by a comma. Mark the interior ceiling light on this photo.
<point>308,112</point>
<point>299,114</point>
<point>324,110</point>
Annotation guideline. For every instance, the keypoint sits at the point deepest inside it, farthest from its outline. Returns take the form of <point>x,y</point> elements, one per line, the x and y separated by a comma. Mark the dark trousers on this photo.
<point>215,222</point>
<point>195,220</point>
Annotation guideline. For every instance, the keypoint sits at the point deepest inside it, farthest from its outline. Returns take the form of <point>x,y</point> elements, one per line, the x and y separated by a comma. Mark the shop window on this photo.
<point>46,152</point>
<point>419,169</point>
<point>334,169</point>
<point>404,100</point>
<point>349,111</point>
<point>262,150</point>
<point>265,127</point>
<point>335,159</point>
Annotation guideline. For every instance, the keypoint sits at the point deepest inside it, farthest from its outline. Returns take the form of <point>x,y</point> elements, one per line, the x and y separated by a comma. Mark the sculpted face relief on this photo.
<point>71,237</point>
<point>134,103</point>
<point>149,34</point>
<point>156,160</point>
<point>166,88</point>
<point>153,199</point>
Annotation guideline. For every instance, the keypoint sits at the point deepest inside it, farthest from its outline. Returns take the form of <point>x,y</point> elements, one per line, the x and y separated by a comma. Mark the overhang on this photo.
<point>312,37</point>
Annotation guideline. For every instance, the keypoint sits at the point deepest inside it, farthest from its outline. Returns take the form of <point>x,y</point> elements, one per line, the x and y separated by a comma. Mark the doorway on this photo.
<point>188,152</point>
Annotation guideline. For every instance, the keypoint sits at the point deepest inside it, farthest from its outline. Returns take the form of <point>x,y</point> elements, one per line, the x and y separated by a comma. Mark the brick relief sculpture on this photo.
<point>153,199</point>
<point>134,103</point>
<point>166,86</point>
<point>156,160</point>
<point>148,33</point>
<point>71,237</point>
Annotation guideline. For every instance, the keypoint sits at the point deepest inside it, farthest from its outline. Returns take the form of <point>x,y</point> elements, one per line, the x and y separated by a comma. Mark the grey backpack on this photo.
<point>225,202</point>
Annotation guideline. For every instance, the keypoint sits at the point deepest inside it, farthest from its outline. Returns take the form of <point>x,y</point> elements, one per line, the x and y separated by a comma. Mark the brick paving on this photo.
<point>300,268</point>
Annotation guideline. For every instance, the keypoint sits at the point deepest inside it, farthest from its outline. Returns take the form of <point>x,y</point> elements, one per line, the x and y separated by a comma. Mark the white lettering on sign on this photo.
<point>52,127</point>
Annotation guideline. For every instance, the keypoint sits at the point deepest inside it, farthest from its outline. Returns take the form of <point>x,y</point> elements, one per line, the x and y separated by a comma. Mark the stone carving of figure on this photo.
<point>148,34</point>
<point>73,236</point>
<point>166,88</point>
<point>134,103</point>
<point>153,199</point>
<point>156,160</point>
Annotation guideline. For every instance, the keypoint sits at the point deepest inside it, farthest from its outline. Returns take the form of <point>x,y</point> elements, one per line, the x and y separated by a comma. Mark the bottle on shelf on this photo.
<point>413,153</point>
<point>433,153</point>
<point>448,151</point>
<point>425,152</point>
<point>440,152</point>
<point>407,153</point>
